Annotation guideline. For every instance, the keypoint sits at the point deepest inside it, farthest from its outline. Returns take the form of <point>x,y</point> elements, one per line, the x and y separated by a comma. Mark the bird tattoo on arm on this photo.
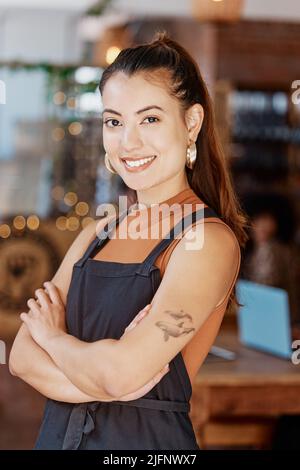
<point>175,329</point>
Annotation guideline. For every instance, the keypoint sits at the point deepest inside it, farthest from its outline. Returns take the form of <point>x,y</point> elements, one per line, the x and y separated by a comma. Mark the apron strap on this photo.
<point>179,228</point>
<point>101,238</point>
<point>83,415</point>
<point>156,404</point>
<point>146,266</point>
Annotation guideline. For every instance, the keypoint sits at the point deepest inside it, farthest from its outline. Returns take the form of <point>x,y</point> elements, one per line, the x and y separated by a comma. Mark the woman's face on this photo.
<point>132,132</point>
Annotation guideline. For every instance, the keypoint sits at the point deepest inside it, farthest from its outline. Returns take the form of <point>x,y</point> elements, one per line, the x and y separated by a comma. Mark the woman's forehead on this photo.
<point>134,89</point>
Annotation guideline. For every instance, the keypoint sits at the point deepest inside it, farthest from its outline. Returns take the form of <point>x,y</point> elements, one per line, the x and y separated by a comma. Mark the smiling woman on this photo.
<point>118,312</point>
<point>150,138</point>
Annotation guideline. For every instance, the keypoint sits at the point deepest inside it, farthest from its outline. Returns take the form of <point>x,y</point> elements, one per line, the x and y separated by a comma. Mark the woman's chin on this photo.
<point>137,183</point>
<point>137,187</point>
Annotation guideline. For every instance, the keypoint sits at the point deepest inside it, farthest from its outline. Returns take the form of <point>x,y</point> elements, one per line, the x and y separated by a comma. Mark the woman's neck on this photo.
<point>155,195</point>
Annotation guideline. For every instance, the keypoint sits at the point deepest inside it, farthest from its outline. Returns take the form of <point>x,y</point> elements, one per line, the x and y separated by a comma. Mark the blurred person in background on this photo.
<point>272,258</point>
<point>271,255</point>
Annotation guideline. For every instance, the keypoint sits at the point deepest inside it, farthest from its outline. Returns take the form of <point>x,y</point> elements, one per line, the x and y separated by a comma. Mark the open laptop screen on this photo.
<point>264,320</point>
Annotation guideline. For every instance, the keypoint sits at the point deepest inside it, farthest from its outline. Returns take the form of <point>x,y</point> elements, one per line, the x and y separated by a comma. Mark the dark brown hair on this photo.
<point>163,59</point>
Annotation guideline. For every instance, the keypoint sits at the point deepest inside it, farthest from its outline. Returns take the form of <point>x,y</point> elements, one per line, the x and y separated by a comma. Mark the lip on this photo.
<point>138,168</point>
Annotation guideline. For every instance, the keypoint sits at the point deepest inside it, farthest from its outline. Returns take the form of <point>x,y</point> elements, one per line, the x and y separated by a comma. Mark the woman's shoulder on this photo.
<point>210,257</point>
<point>210,243</point>
<point>213,233</point>
<point>211,224</point>
<point>210,228</point>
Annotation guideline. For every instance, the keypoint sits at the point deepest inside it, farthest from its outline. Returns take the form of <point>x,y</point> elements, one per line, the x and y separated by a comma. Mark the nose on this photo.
<point>131,140</point>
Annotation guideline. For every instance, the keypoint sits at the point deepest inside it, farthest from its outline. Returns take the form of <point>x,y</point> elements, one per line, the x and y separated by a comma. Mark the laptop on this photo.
<point>264,320</point>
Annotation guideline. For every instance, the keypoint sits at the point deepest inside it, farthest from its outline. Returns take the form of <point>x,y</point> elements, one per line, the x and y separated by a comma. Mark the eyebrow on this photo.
<point>154,106</point>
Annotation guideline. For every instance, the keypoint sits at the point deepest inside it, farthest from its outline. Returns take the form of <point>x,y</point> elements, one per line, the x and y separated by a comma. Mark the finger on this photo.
<point>135,321</point>
<point>165,369</point>
<point>143,312</point>
<point>138,317</point>
<point>43,298</point>
<point>53,293</point>
<point>34,307</point>
<point>130,327</point>
<point>147,307</point>
<point>160,375</point>
<point>31,314</point>
<point>24,317</point>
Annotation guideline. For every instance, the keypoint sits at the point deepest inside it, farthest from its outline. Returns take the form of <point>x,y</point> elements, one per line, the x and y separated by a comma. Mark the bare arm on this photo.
<point>34,365</point>
<point>29,361</point>
<point>176,314</point>
<point>38,370</point>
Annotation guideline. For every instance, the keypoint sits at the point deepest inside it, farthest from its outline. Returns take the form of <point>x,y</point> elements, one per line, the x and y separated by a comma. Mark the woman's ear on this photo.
<point>194,117</point>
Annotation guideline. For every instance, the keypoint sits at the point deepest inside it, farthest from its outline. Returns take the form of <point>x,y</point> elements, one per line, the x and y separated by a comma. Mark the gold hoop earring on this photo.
<point>191,155</point>
<point>108,165</point>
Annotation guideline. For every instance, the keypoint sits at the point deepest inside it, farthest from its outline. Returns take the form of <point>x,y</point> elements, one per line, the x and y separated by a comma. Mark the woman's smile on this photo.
<point>134,166</point>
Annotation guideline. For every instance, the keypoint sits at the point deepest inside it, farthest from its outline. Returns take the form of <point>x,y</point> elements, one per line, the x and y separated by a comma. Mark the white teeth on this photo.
<point>139,162</point>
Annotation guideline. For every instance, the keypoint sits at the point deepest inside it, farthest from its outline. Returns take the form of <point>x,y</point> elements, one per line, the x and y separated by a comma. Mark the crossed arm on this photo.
<point>193,284</point>
<point>29,361</point>
<point>34,365</point>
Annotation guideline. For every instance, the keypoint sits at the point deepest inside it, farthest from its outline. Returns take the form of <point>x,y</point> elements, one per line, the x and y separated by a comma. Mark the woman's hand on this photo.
<point>145,388</point>
<point>46,317</point>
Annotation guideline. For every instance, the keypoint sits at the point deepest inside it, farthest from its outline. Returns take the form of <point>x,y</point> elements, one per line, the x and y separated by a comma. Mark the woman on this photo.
<point>107,386</point>
<point>271,257</point>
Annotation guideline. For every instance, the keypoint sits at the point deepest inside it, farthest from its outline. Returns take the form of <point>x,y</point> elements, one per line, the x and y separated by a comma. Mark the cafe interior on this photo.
<point>53,177</point>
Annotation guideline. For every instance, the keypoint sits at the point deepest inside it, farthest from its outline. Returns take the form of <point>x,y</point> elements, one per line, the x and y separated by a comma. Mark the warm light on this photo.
<point>19,222</point>
<point>71,102</point>
<point>61,223</point>
<point>111,54</point>
<point>5,231</point>
<point>59,98</point>
<point>75,128</point>
<point>217,10</point>
<point>58,134</point>
<point>86,221</point>
<point>81,208</point>
<point>57,193</point>
<point>72,223</point>
<point>33,222</point>
<point>70,198</point>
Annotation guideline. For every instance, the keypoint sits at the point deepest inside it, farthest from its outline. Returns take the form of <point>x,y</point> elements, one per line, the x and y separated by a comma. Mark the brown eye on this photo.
<point>152,117</point>
<point>112,121</point>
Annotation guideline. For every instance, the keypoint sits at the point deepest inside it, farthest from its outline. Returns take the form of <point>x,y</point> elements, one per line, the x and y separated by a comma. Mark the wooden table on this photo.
<point>236,403</point>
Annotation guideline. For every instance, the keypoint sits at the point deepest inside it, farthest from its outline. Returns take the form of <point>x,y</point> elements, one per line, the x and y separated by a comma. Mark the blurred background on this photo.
<point>53,177</point>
